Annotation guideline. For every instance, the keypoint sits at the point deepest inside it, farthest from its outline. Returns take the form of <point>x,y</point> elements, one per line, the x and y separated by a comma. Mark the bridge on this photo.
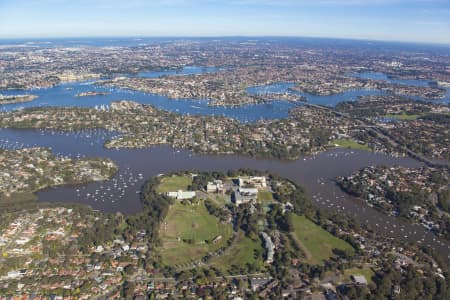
<point>381,134</point>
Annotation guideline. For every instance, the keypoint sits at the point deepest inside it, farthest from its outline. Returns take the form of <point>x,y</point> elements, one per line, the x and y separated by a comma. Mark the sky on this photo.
<point>426,21</point>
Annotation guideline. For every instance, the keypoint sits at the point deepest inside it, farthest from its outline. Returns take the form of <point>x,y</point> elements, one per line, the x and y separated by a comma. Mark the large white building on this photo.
<point>245,195</point>
<point>216,186</point>
<point>256,181</point>
<point>181,195</point>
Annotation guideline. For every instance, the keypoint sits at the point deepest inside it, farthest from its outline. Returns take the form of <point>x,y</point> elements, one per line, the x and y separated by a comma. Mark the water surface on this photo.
<point>316,173</point>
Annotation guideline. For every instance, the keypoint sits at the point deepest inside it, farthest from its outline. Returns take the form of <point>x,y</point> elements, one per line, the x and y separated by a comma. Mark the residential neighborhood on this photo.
<point>31,169</point>
<point>419,194</point>
<point>76,253</point>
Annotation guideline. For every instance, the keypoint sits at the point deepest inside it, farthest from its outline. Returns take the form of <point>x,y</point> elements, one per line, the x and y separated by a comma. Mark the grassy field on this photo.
<point>265,197</point>
<point>240,253</point>
<point>174,183</point>
<point>219,199</point>
<point>347,143</point>
<point>190,222</point>
<point>366,272</point>
<point>403,117</point>
<point>316,241</point>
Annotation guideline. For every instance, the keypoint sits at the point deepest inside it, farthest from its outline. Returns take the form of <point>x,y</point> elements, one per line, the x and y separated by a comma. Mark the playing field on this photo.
<point>174,183</point>
<point>316,242</point>
<point>194,223</point>
<point>347,143</point>
<point>240,253</point>
<point>403,117</point>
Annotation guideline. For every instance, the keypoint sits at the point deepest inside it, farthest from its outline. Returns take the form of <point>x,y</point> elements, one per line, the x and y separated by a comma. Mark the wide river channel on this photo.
<point>316,172</point>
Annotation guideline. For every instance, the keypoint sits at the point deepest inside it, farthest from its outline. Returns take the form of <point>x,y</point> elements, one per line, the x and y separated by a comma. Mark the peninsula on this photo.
<point>10,99</point>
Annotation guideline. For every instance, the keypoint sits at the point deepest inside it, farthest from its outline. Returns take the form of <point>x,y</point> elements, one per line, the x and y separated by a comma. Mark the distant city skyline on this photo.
<point>425,21</point>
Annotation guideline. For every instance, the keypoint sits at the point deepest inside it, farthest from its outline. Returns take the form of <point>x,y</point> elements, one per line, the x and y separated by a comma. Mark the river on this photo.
<point>65,95</point>
<point>316,172</point>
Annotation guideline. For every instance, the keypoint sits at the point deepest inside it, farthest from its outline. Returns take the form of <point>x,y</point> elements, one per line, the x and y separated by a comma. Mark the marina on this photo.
<point>225,150</point>
<point>121,194</point>
<point>316,172</point>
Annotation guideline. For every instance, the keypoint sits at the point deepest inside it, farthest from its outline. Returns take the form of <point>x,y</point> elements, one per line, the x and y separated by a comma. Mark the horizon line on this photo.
<point>229,36</point>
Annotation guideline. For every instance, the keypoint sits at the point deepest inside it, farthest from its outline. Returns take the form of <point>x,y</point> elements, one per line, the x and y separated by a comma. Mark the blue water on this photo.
<point>411,82</point>
<point>65,95</point>
<point>331,100</point>
<point>350,95</point>
<point>384,77</point>
<point>190,70</point>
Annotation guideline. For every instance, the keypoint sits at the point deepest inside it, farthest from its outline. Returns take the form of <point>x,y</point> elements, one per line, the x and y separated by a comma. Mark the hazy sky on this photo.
<point>402,20</point>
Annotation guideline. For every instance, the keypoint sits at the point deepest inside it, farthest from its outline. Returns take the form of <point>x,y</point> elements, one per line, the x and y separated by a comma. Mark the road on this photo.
<point>381,134</point>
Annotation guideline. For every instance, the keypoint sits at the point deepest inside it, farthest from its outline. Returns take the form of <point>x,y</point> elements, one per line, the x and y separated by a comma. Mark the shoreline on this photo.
<point>13,99</point>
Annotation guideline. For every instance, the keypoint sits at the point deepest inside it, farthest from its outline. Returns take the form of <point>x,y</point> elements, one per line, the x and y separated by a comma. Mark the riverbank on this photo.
<point>11,99</point>
<point>29,170</point>
<point>307,130</point>
<point>287,233</point>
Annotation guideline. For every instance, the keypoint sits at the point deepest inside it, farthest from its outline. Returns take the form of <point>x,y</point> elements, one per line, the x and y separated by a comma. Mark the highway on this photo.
<point>382,135</point>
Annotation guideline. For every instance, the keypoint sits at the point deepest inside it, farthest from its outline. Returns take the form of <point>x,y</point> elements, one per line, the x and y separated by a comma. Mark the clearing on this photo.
<point>187,233</point>
<point>318,242</point>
